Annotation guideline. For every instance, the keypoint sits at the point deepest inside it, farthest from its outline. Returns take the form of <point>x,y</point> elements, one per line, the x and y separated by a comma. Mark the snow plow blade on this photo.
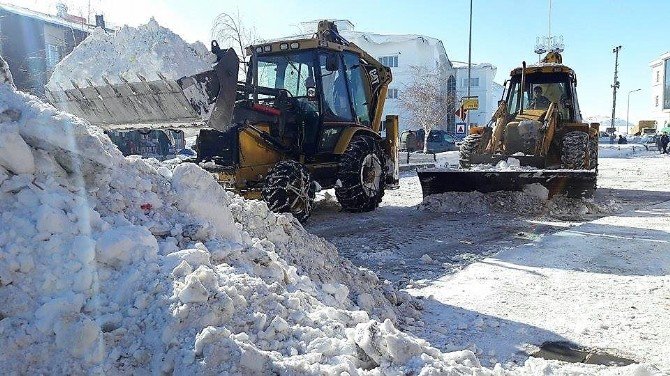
<point>572,183</point>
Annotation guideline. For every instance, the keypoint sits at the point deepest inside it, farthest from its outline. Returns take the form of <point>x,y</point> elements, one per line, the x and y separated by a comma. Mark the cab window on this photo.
<point>290,72</point>
<point>336,105</point>
<point>356,83</point>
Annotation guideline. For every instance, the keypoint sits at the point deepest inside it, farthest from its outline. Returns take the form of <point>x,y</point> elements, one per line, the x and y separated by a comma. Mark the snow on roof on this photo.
<point>461,64</point>
<point>390,38</point>
<point>46,17</point>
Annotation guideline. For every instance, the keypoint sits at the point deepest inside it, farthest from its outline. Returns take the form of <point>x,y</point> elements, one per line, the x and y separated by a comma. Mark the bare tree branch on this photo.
<point>230,31</point>
<point>425,98</point>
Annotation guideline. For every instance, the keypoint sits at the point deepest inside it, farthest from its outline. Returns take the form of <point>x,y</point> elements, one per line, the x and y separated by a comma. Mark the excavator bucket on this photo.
<point>572,183</point>
<point>186,100</point>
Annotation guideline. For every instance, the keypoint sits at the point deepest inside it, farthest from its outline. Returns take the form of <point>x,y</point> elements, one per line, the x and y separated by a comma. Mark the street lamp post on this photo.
<point>628,107</point>
<point>467,114</point>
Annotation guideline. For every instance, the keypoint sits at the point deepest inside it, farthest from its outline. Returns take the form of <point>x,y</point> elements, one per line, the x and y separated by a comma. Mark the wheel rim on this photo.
<point>371,172</point>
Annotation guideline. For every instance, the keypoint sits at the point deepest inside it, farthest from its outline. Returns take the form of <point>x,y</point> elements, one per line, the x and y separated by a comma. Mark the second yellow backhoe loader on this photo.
<point>539,123</point>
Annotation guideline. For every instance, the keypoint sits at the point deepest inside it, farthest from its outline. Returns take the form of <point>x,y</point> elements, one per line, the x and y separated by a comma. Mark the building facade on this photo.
<point>482,86</point>
<point>32,43</point>
<point>660,89</point>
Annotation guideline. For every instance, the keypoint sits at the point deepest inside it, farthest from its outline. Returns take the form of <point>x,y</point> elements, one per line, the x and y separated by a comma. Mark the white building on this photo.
<point>660,89</point>
<point>482,86</point>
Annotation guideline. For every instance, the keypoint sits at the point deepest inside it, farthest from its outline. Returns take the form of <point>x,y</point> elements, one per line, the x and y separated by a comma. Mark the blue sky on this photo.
<point>504,32</point>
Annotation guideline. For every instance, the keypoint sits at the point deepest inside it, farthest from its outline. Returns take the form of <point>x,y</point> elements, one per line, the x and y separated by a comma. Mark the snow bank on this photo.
<point>146,50</point>
<point>623,151</point>
<point>120,265</point>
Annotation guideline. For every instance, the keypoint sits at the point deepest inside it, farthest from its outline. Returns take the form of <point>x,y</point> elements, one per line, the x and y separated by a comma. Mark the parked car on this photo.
<point>438,141</point>
<point>651,142</point>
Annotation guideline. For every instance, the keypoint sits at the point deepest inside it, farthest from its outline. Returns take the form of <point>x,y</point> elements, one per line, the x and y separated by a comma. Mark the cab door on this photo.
<point>336,109</point>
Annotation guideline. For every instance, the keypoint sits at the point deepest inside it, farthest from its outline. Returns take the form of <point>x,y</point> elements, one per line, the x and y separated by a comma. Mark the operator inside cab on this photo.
<point>539,101</point>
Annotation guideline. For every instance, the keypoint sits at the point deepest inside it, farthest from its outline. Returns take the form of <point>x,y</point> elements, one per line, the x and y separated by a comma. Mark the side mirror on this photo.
<point>332,62</point>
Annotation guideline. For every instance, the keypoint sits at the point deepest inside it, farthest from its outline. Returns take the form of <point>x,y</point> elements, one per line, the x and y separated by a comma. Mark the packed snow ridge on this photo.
<point>147,50</point>
<point>114,265</point>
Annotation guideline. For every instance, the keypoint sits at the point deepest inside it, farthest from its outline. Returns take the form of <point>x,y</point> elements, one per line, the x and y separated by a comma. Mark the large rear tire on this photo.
<point>469,147</point>
<point>575,151</point>
<point>288,188</point>
<point>361,175</point>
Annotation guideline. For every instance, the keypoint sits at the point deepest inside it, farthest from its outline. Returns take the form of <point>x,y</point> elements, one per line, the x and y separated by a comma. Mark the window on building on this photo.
<point>52,55</point>
<point>392,94</point>
<point>389,61</point>
<point>474,82</point>
<point>658,76</point>
<point>656,101</point>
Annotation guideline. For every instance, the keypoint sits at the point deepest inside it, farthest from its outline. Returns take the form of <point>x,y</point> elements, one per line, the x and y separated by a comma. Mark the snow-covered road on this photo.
<point>393,239</point>
<point>501,283</point>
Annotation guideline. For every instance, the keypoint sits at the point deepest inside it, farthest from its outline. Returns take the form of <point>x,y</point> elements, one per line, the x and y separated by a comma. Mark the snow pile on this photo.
<point>570,209</point>
<point>146,50</point>
<point>117,265</point>
<point>530,202</point>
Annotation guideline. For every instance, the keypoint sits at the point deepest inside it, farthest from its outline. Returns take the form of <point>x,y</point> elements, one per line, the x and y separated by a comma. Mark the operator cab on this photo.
<point>540,89</point>
<point>325,91</point>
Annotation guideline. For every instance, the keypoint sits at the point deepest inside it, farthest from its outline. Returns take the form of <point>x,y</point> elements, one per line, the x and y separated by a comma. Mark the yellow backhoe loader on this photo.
<point>307,117</point>
<point>539,123</point>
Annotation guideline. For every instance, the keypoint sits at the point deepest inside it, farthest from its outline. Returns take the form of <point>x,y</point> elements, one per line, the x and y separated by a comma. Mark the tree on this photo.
<point>425,98</point>
<point>230,31</point>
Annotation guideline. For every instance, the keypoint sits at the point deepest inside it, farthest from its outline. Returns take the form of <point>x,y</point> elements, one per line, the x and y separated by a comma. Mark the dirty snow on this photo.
<point>530,202</point>
<point>146,50</point>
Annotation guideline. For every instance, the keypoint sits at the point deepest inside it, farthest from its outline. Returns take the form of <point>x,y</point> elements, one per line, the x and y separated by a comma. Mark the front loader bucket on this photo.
<point>183,101</point>
<point>142,102</point>
<point>573,183</point>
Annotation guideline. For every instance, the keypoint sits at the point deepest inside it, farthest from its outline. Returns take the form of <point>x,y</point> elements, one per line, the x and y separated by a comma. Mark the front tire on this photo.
<point>361,175</point>
<point>469,147</point>
<point>288,188</point>
<point>575,151</point>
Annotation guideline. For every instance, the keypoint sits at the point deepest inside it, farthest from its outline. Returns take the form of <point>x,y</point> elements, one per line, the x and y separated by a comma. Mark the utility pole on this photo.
<point>615,85</point>
<point>467,116</point>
